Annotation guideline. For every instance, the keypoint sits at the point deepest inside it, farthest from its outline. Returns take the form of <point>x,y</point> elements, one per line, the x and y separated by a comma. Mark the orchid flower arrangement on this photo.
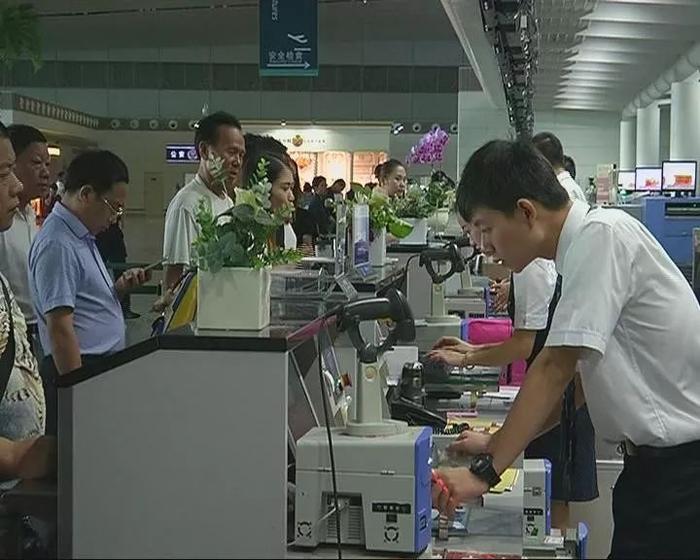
<point>430,149</point>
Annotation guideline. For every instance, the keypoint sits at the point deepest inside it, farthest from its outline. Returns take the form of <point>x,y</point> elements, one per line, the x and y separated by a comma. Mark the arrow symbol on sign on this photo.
<point>304,65</point>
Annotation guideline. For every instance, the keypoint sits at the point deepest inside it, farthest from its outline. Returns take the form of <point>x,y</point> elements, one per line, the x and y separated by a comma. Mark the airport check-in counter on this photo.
<point>178,446</point>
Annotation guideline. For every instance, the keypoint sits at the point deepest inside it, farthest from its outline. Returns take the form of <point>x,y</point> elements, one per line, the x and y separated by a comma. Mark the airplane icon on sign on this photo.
<point>301,38</point>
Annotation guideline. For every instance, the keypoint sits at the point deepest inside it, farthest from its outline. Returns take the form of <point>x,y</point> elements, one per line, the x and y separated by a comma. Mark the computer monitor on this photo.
<point>679,176</point>
<point>305,360</point>
<point>301,416</point>
<point>648,179</point>
<point>626,180</point>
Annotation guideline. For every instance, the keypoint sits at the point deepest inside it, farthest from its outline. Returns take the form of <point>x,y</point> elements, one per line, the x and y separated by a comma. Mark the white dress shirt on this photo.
<point>181,227</point>
<point>14,258</point>
<point>625,301</point>
<point>533,288</point>
<point>571,186</point>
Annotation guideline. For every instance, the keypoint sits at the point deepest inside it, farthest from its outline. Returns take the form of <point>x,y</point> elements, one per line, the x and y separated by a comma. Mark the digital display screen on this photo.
<point>648,179</point>
<point>626,180</point>
<point>679,175</point>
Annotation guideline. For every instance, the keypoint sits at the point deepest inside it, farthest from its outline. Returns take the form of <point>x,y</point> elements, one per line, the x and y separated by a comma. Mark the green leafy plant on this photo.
<point>381,212</point>
<point>242,236</point>
<point>414,204</point>
<point>441,191</point>
<point>19,34</point>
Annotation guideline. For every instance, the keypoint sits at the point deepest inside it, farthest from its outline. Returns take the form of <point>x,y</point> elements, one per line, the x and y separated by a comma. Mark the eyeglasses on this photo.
<point>118,212</point>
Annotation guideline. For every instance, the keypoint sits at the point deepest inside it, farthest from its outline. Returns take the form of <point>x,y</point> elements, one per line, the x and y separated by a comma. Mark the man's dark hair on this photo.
<point>99,168</point>
<point>502,172</point>
<point>259,143</point>
<point>3,131</point>
<point>570,166</point>
<point>208,128</point>
<point>22,136</point>
<point>550,147</point>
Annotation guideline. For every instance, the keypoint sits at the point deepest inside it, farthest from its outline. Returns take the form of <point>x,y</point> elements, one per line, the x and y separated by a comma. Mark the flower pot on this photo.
<point>419,235</point>
<point>233,299</point>
<point>377,248</point>
<point>439,220</point>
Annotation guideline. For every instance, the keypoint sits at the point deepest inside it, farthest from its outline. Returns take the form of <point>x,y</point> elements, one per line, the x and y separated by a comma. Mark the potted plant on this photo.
<point>19,33</point>
<point>234,253</point>
<point>415,208</point>
<point>382,218</point>
<point>440,194</point>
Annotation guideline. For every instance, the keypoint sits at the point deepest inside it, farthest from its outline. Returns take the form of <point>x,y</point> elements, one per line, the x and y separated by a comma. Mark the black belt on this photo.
<point>684,450</point>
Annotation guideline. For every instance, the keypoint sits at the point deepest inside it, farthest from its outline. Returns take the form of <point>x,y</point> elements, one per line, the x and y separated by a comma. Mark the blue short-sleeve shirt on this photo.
<point>66,270</point>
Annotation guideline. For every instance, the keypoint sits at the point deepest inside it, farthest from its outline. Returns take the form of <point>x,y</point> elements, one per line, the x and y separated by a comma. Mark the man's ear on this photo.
<point>203,150</point>
<point>527,209</point>
<point>84,192</point>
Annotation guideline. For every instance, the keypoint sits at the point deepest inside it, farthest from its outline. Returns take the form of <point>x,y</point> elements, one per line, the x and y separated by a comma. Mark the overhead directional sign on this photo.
<point>181,153</point>
<point>288,37</point>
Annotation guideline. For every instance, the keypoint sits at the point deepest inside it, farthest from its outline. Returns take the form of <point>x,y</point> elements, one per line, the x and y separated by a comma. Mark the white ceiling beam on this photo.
<point>645,31</point>
<point>616,45</point>
<point>465,17</point>
<point>645,13</point>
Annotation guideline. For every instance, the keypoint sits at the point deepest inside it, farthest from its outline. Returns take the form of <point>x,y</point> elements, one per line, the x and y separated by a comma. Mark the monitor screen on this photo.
<point>648,179</point>
<point>679,175</point>
<point>301,416</point>
<point>625,180</point>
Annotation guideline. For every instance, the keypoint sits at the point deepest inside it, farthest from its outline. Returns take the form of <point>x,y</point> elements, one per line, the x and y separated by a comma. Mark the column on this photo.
<point>685,120</point>
<point>628,144</point>
<point>648,123</point>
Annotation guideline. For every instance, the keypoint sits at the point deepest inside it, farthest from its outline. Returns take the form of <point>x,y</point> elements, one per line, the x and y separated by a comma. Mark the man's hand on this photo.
<point>501,293</point>
<point>449,356</point>
<point>453,343</point>
<point>461,487</point>
<point>470,443</point>
<point>131,279</point>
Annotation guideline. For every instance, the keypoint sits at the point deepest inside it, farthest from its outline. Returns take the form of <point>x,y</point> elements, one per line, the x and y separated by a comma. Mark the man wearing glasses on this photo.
<point>78,305</point>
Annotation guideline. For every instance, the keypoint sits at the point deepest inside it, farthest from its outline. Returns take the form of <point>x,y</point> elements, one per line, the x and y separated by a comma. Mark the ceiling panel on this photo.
<point>616,49</point>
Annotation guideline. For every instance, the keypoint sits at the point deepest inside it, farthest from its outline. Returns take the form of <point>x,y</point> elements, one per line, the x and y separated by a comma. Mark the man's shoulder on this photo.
<point>188,197</point>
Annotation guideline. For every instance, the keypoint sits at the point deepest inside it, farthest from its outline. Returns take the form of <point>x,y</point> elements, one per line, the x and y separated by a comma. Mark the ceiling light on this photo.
<point>54,151</point>
<point>283,123</point>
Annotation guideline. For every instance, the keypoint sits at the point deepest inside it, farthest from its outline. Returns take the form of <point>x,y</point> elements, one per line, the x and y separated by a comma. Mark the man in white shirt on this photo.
<point>32,169</point>
<point>627,317</point>
<point>550,147</point>
<point>221,148</point>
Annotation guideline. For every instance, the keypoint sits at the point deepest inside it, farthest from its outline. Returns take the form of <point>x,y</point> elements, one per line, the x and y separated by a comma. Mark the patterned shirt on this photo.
<point>22,408</point>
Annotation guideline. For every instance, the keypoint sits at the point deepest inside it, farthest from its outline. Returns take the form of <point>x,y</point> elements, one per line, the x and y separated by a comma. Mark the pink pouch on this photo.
<point>492,330</point>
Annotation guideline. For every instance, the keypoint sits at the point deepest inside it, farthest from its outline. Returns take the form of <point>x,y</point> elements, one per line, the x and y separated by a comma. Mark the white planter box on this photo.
<point>439,220</point>
<point>377,248</point>
<point>233,299</point>
<point>419,235</point>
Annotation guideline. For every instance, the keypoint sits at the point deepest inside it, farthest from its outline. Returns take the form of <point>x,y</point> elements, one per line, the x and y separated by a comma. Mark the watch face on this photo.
<point>480,463</point>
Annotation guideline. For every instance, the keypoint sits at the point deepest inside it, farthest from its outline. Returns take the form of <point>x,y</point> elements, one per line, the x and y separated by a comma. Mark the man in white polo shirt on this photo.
<point>32,169</point>
<point>550,147</point>
<point>627,317</point>
<point>218,135</point>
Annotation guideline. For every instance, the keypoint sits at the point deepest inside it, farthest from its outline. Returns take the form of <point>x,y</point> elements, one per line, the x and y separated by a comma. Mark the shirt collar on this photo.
<point>72,221</point>
<point>563,175</point>
<point>572,225</point>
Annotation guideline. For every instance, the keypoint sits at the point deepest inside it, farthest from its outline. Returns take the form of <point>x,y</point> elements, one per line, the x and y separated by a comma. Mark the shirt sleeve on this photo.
<point>56,273</point>
<point>596,285</point>
<point>533,289</point>
<point>180,232</point>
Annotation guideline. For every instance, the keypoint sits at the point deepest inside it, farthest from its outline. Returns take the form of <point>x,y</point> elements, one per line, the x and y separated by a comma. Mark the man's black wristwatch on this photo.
<point>482,467</point>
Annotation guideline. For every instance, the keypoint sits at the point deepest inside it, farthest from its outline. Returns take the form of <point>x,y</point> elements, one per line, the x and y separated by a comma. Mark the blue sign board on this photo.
<point>181,153</point>
<point>288,37</point>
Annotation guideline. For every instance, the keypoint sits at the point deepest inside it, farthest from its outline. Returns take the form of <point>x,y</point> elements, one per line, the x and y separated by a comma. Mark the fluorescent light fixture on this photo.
<point>54,151</point>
